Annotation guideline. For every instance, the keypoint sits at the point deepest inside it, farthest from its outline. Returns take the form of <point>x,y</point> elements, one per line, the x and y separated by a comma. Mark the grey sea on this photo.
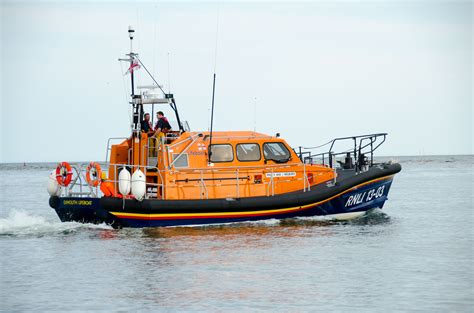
<point>414,255</point>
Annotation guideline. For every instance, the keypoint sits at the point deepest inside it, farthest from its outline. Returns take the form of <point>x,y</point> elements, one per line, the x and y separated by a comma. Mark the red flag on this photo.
<point>134,66</point>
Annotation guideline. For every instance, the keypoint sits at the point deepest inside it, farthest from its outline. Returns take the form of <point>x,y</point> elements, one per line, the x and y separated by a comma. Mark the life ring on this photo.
<point>63,174</point>
<point>93,174</point>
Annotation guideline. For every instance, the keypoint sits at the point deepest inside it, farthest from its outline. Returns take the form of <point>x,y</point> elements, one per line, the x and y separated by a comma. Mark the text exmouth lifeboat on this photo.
<point>167,176</point>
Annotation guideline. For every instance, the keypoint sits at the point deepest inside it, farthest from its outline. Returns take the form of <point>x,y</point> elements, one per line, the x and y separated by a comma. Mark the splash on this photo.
<point>22,223</point>
<point>266,222</point>
<point>371,217</point>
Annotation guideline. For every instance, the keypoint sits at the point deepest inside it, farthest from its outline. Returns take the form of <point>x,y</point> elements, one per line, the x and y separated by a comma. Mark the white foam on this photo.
<point>19,220</point>
<point>24,223</point>
<point>267,222</point>
<point>315,218</point>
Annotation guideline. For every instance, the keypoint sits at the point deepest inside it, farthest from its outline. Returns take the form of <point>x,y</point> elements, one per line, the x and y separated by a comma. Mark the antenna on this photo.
<point>131,33</point>
<point>212,116</point>
<point>138,100</point>
<point>137,109</point>
<point>169,77</point>
<point>213,88</point>
<point>254,114</point>
<point>154,41</point>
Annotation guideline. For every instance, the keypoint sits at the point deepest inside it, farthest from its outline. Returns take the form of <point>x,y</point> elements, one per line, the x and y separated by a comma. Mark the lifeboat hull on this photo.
<point>350,197</point>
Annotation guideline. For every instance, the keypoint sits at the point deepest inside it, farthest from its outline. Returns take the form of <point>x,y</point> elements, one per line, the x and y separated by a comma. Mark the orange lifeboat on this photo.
<point>163,174</point>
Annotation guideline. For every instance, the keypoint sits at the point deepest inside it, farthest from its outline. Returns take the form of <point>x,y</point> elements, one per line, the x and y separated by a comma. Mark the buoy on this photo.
<point>93,174</point>
<point>53,187</point>
<point>138,185</point>
<point>64,174</point>
<point>124,182</point>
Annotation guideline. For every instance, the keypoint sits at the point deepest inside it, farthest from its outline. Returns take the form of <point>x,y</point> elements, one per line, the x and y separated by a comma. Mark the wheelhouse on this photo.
<point>236,164</point>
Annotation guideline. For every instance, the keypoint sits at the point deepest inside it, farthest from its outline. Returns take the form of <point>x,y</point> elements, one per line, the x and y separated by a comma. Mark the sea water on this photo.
<point>414,255</point>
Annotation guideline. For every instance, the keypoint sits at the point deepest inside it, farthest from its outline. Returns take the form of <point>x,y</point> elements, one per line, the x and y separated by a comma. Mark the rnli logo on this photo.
<point>365,196</point>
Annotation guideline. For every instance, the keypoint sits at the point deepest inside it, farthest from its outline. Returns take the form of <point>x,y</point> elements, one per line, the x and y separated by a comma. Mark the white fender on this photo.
<point>53,187</point>
<point>124,182</point>
<point>138,185</point>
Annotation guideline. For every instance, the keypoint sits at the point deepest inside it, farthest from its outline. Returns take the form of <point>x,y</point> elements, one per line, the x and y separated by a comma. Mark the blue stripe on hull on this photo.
<point>360,199</point>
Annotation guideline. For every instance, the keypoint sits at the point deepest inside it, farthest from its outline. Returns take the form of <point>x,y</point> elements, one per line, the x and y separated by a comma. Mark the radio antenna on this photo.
<point>169,77</point>
<point>213,89</point>
<point>254,114</point>
<point>212,116</point>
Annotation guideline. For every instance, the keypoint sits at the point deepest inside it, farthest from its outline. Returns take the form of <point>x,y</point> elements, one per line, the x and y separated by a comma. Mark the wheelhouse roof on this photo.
<point>229,135</point>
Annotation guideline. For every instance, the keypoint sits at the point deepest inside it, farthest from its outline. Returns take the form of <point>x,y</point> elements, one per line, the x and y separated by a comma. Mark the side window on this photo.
<point>248,152</point>
<point>276,151</point>
<point>180,160</point>
<point>222,153</point>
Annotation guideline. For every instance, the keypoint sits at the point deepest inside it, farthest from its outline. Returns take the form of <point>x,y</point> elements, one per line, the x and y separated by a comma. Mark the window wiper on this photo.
<point>278,160</point>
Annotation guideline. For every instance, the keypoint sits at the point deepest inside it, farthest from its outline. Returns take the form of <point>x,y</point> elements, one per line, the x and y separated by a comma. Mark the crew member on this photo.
<point>107,187</point>
<point>162,125</point>
<point>146,126</point>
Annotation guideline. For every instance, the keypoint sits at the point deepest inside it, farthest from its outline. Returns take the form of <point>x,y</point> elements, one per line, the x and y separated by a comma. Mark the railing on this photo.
<point>362,145</point>
<point>361,151</point>
<point>109,145</point>
<point>229,176</point>
<point>79,186</point>
<point>233,175</point>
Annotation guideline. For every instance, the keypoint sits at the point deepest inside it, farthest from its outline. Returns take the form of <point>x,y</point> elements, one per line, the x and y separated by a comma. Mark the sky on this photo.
<point>311,71</point>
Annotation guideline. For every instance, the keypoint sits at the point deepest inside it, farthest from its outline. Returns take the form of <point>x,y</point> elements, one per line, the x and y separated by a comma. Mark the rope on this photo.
<point>316,147</point>
<point>140,61</point>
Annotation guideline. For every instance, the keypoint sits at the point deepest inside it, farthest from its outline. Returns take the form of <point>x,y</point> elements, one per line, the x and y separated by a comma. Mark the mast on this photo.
<point>138,100</point>
<point>131,32</point>
<point>137,106</point>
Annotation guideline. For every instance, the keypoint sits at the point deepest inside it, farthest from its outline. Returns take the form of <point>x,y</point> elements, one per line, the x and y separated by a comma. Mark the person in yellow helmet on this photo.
<point>107,187</point>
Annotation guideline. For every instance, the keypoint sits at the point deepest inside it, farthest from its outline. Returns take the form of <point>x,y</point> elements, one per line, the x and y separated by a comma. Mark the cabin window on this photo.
<point>222,153</point>
<point>180,160</point>
<point>276,151</point>
<point>248,152</point>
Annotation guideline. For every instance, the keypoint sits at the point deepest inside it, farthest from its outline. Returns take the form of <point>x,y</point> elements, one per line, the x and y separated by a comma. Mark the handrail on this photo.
<point>184,140</point>
<point>79,180</point>
<point>358,151</point>
<point>193,140</point>
<point>108,145</point>
<point>227,172</point>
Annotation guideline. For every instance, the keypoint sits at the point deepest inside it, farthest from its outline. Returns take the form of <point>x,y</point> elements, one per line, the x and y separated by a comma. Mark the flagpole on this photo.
<point>137,108</point>
<point>131,32</point>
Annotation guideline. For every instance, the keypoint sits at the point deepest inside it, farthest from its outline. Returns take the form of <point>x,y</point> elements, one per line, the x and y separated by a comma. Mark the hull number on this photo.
<point>365,196</point>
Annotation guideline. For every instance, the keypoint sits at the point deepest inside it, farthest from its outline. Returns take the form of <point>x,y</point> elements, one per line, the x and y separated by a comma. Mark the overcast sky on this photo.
<point>317,69</point>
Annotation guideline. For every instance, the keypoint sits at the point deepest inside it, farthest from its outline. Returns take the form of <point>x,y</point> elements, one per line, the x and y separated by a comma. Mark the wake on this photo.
<point>22,223</point>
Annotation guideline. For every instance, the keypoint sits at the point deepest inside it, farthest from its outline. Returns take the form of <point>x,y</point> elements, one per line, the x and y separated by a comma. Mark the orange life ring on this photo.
<point>93,174</point>
<point>63,174</point>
